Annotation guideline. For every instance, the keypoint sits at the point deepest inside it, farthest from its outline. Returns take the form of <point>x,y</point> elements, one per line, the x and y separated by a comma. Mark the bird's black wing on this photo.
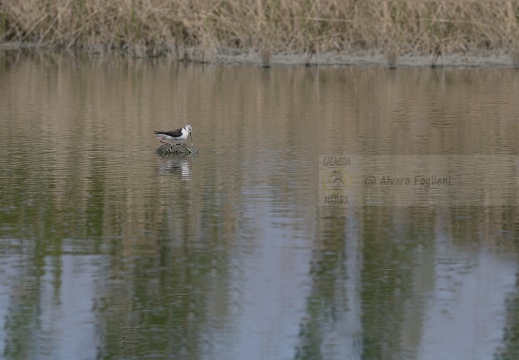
<point>174,133</point>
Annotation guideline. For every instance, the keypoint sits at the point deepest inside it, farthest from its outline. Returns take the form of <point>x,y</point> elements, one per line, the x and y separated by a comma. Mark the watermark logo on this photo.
<point>337,179</point>
<point>334,180</point>
<point>418,180</point>
<point>335,161</point>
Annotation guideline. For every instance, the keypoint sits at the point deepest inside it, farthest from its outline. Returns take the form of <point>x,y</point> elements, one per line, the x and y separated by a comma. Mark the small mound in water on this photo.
<point>167,150</point>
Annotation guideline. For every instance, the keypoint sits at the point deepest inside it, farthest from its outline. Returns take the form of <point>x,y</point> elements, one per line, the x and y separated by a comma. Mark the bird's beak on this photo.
<point>191,136</point>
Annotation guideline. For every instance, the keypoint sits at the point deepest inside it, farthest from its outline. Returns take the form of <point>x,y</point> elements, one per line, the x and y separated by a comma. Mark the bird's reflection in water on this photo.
<point>178,165</point>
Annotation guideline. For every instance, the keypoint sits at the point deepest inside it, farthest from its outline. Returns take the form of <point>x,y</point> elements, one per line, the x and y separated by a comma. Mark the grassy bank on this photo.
<point>154,28</point>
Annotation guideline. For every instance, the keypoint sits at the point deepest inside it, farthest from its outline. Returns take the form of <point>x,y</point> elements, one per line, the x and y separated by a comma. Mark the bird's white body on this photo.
<point>174,136</point>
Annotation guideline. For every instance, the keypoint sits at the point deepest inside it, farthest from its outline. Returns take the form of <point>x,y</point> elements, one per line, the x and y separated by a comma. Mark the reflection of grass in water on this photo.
<point>515,57</point>
<point>510,347</point>
<point>166,26</point>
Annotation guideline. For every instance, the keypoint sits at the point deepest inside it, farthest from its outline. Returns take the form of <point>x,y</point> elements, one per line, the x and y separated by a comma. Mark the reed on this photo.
<point>391,57</point>
<point>159,27</point>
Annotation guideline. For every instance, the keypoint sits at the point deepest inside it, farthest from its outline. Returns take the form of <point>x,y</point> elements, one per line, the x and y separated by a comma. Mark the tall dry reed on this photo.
<point>151,27</point>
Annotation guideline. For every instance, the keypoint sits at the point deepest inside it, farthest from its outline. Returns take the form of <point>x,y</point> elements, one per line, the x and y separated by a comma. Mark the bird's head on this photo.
<point>189,128</point>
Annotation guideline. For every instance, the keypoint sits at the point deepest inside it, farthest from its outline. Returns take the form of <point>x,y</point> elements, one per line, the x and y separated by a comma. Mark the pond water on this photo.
<point>109,251</point>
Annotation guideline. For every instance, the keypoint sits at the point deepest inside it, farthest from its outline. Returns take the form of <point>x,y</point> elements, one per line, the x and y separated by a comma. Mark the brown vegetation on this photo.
<point>154,28</point>
<point>168,150</point>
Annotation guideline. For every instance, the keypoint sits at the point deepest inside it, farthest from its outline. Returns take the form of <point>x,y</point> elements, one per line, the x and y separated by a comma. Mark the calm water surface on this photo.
<point>108,251</point>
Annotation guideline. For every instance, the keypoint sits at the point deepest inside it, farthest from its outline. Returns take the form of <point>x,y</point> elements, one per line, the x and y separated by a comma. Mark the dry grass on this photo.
<point>168,150</point>
<point>155,28</point>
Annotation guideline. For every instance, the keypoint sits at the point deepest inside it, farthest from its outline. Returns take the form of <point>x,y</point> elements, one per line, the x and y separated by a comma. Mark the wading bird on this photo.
<point>175,136</point>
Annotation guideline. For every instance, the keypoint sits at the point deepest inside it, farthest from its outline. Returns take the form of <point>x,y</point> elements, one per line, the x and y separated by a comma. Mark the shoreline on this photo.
<point>375,58</point>
<point>250,57</point>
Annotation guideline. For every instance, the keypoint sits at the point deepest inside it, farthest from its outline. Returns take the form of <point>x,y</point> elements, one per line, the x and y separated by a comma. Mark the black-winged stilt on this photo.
<point>175,136</point>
